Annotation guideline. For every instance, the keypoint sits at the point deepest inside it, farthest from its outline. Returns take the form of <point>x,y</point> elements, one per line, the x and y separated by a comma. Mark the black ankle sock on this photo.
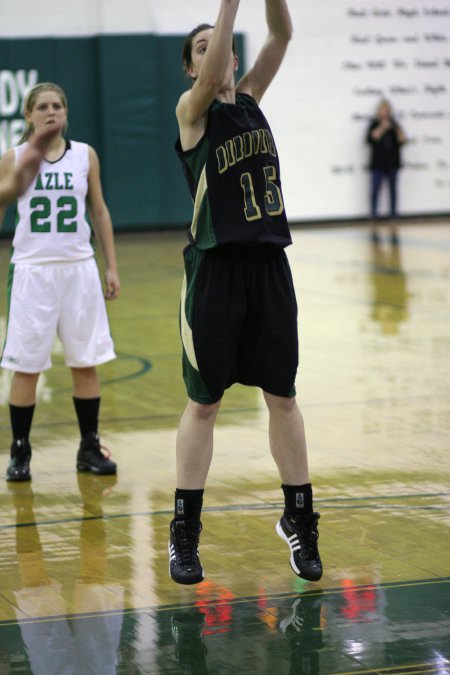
<point>297,499</point>
<point>87,410</point>
<point>188,504</point>
<point>21,418</point>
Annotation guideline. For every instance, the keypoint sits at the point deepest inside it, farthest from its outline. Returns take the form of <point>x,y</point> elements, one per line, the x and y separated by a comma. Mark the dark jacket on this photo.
<point>385,152</point>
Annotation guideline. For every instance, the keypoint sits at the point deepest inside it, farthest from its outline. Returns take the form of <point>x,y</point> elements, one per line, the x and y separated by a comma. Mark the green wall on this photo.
<point>122,91</point>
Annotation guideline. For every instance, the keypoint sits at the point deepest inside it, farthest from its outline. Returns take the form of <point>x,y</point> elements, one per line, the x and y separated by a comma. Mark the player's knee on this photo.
<point>204,411</point>
<point>280,404</point>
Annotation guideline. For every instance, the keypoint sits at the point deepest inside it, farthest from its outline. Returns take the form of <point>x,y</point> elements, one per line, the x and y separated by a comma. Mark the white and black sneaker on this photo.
<point>301,535</point>
<point>184,561</point>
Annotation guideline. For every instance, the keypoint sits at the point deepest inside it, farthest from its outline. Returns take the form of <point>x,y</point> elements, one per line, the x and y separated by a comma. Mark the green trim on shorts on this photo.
<point>195,386</point>
<point>9,284</point>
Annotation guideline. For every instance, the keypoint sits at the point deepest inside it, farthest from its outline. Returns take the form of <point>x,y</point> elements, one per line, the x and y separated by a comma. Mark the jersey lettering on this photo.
<point>68,184</point>
<point>273,200</point>
<point>258,141</point>
<point>251,208</point>
<point>52,180</point>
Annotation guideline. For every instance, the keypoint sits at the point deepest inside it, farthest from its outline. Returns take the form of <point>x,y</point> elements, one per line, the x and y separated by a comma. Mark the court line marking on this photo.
<point>417,668</point>
<point>324,503</point>
<point>145,366</point>
<point>229,601</point>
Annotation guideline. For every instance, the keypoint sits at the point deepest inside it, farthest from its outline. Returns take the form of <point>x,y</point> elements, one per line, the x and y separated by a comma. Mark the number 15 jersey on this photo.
<point>51,221</point>
<point>233,175</point>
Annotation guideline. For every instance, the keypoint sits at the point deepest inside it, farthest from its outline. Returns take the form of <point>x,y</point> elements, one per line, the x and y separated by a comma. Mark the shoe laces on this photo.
<point>187,543</point>
<point>104,451</point>
<point>307,527</point>
<point>100,450</point>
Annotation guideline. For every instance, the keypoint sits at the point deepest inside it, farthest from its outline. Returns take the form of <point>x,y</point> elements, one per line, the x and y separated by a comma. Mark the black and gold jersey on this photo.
<point>233,175</point>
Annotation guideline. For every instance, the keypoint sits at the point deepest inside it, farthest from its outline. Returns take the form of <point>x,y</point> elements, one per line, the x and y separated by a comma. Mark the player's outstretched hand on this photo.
<point>31,158</point>
<point>17,179</point>
<point>41,139</point>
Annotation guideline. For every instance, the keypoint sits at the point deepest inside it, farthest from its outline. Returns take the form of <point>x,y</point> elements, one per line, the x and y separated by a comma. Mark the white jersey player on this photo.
<point>54,284</point>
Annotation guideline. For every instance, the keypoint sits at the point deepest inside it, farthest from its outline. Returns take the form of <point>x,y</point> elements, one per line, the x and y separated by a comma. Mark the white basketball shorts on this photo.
<point>64,299</point>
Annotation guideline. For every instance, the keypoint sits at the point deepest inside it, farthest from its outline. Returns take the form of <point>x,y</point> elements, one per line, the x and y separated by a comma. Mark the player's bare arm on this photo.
<point>102,224</point>
<point>212,59</point>
<point>258,78</point>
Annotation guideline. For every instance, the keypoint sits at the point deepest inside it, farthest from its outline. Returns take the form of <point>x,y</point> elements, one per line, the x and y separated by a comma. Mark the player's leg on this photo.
<point>205,372</point>
<point>194,446</point>
<point>22,402</point>
<point>85,335</point>
<point>298,525</point>
<point>287,439</point>
<point>194,449</point>
<point>86,399</point>
<point>275,345</point>
<point>31,328</point>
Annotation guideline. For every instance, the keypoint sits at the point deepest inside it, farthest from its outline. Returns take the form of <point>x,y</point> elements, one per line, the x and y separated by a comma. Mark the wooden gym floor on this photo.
<point>84,585</point>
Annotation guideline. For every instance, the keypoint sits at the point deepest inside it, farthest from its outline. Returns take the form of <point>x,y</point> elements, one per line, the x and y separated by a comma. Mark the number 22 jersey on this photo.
<point>51,220</point>
<point>233,174</point>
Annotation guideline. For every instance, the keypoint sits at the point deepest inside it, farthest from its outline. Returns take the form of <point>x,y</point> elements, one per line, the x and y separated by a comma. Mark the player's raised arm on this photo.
<point>279,23</point>
<point>210,64</point>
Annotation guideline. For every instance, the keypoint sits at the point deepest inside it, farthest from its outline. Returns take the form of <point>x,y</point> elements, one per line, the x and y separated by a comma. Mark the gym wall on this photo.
<point>120,66</point>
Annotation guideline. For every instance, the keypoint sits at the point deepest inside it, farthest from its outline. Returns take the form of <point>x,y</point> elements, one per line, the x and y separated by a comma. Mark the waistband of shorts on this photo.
<point>244,251</point>
<point>51,263</point>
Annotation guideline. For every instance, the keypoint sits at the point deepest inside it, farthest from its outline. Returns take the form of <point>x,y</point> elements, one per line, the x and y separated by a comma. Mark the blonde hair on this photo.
<point>30,102</point>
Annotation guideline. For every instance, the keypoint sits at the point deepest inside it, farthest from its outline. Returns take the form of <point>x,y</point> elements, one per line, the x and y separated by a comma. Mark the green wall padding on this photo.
<point>122,92</point>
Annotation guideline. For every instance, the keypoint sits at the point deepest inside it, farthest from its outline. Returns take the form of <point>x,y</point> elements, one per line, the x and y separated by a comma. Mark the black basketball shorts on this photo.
<point>238,321</point>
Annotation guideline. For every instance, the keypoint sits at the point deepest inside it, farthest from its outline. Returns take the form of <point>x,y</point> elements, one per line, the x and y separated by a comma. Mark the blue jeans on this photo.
<point>378,176</point>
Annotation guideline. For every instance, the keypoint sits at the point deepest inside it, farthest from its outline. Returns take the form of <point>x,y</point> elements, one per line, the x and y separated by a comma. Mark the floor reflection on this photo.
<point>373,628</point>
<point>248,645</point>
<point>389,287</point>
<point>84,585</point>
<point>65,644</point>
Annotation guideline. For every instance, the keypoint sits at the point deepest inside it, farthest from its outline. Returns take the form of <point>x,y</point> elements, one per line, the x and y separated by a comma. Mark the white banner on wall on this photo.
<point>350,55</point>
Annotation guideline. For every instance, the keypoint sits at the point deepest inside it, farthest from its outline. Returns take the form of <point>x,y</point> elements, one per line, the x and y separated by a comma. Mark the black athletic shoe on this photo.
<point>90,457</point>
<point>184,561</point>
<point>190,648</point>
<point>301,535</point>
<point>19,466</point>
